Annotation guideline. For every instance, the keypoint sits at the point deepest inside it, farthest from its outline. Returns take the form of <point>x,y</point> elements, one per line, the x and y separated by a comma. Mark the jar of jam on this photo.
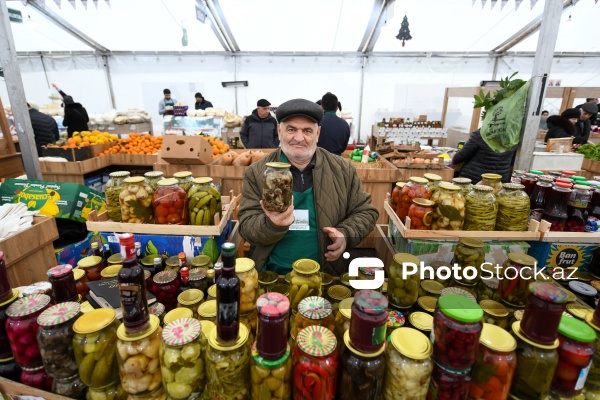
<point>191,298</point>
<point>92,266</point>
<point>157,309</point>
<point>421,321</point>
<point>314,310</point>
<point>244,269</point>
<point>305,281</point>
<point>495,365</point>
<point>95,346</point>
<point>536,364</point>
<point>273,317</point>
<point>481,209</point>
<point>170,203</point>
<point>80,282</point>
<point>211,292</point>
<point>518,272</point>
<point>465,185</point>
<point>469,256</point>
<point>342,320</point>
<point>495,313</point>
<point>395,320</point>
<point>136,201</point>
<point>166,288</point>
<point>421,214</point>
<point>545,306</point>
<point>556,211</point>
<point>369,321</point>
<point>403,291</point>
<point>208,311</point>
<point>456,329</point>
<point>409,365</point>
<point>315,359</point>
<point>152,178</point>
<point>433,181</point>
<point>115,184</point>
<point>529,181</point>
<point>176,314</point>
<point>37,378</point>
<point>22,328</point>
<point>182,358</point>
<point>266,279</point>
<point>487,289</point>
<point>271,378</point>
<point>110,272</point>
<point>539,197</point>
<point>448,384</point>
<point>361,374</point>
<point>184,179</point>
<point>277,187</point>
<point>513,208</point>
<point>493,181</point>
<point>415,188</point>
<point>337,293</point>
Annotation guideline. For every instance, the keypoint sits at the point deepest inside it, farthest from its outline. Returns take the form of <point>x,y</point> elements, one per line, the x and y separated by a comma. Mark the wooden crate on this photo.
<point>11,166</point>
<point>133,159</point>
<point>566,237</point>
<point>404,174</point>
<point>384,249</point>
<point>12,388</point>
<point>72,171</point>
<point>28,254</point>
<point>591,165</point>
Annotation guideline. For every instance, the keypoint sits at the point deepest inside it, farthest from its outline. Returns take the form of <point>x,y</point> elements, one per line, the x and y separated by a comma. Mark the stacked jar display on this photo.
<point>204,202</point>
<point>539,197</point>
<point>518,273</point>
<point>403,289</point>
<point>481,209</point>
<point>114,186</point>
<point>556,210</point>
<point>166,288</point>
<point>415,188</point>
<point>449,211</point>
<point>314,310</point>
<point>305,281</point>
<point>8,367</point>
<point>136,200</point>
<point>513,208</point>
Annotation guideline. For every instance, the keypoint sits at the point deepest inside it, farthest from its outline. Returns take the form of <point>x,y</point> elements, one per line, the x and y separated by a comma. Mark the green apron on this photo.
<point>168,103</point>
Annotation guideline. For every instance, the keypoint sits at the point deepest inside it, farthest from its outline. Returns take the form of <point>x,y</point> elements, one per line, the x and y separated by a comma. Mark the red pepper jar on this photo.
<point>456,329</point>
<point>37,378</point>
<point>544,308</point>
<point>415,188</point>
<point>368,323</point>
<point>447,384</point>
<point>166,289</point>
<point>170,203</point>
<point>63,283</point>
<point>315,361</point>
<point>22,328</point>
<point>80,282</point>
<point>5,350</point>
<point>5,287</point>
<point>273,316</point>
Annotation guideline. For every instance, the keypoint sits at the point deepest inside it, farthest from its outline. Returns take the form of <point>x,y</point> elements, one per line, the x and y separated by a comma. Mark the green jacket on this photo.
<point>340,202</point>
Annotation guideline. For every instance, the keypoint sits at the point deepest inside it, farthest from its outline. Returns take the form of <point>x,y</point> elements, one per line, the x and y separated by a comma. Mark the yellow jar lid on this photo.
<point>177,313</point>
<point>431,286</point>
<point>494,308</point>
<point>86,307</point>
<point>153,325</point>
<point>345,307</point>
<point>111,271</point>
<point>338,292</point>
<point>306,266</point>
<point>418,179</point>
<point>326,279</point>
<point>243,264</point>
<point>495,338</point>
<point>278,165</point>
<point>208,309</point>
<point>589,318</point>
<point>432,177</point>
<point>115,259</point>
<point>516,327</point>
<point>78,273</point>
<point>203,180</point>
<point>522,259</point>
<point>214,342</point>
<point>421,320</point>
<point>135,179</point>
<point>449,186</point>
<point>167,182</point>
<point>349,346</point>
<point>190,297</point>
<point>571,298</point>
<point>427,303</point>
<point>201,260</point>
<point>400,184</point>
<point>400,258</point>
<point>471,241</point>
<point>212,291</point>
<point>207,327</point>
<point>423,202</point>
<point>491,177</point>
<point>94,321</point>
<point>13,297</point>
<point>90,261</point>
<point>578,310</point>
<point>182,174</point>
<point>412,343</point>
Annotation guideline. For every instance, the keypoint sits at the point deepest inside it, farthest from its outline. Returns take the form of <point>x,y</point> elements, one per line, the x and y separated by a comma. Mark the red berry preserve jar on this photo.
<point>273,316</point>
<point>368,323</point>
<point>166,288</point>
<point>37,378</point>
<point>447,384</point>
<point>544,308</point>
<point>63,283</point>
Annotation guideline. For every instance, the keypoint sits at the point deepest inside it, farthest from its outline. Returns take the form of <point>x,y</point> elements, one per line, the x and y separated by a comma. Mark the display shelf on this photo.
<point>566,237</point>
<point>133,159</point>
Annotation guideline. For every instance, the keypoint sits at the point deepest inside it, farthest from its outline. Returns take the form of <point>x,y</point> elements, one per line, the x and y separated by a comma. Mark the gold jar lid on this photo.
<point>471,242</point>
<point>431,286</point>
<point>345,307</point>
<point>78,273</point>
<point>400,258</point>
<point>208,309</point>
<point>190,297</point>
<point>494,308</point>
<point>523,259</point>
<point>115,259</point>
<point>423,202</point>
<point>201,260</point>
<point>427,303</point>
<point>449,186</point>
<point>94,321</point>
<point>306,266</point>
<point>400,184</point>
<point>212,291</point>
<point>432,177</point>
<point>90,261</point>
<point>418,179</point>
<point>153,326</point>
<point>279,165</point>
<point>167,182</point>
<point>135,179</point>
<point>182,174</point>
<point>216,344</point>
<point>243,265</point>
<point>177,313</point>
<point>203,180</point>
<point>111,271</point>
<point>491,177</point>
<point>420,320</point>
<point>411,343</point>
<point>338,292</point>
<point>578,310</point>
<point>495,338</point>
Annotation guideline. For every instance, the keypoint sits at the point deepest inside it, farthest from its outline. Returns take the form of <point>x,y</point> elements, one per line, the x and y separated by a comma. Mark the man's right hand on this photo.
<point>285,218</point>
<point>54,86</point>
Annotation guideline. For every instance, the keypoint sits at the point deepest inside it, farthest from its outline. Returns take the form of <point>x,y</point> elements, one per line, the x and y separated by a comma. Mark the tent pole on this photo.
<point>16,95</point>
<point>44,68</point>
<point>235,79</point>
<point>495,71</point>
<point>109,79</point>
<point>360,96</point>
<point>542,65</point>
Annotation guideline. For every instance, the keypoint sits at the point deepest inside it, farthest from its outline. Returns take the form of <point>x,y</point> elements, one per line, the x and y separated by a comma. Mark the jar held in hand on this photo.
<point>277,187</point>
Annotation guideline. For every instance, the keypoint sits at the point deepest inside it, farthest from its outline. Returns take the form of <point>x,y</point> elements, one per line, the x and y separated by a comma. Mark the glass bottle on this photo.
<point>277,187</point>
<point>421,214</point>
<point>305,281</point>
<point>576,210</point>
<point>218,269</point>
<point>132,288</point>
<point>402,293</point>
<point>556,209</point>
<point>465,185</point>
<point>152,178</point>
<point>449,212</point>
<point>184,274</point>
<point>493,181</point>
<point>136,201</point>
<point>204,202</point>
<point>166,288</point>
<point>513,208</point>
<point>244,269</point>
<point>415,188</point>
<point>271,378</point>
<point>63,283</point>
<point>481,209</point>
<point>169,203</point>
<point>545,305</point>
<point>314,310</point>
<point>113,189</point>
<point>228,296</point>
<point>539,197</point>
<point>518,270</point>
<point>448,384</point>
<point>184,180</point>
<point>369,321</point>
<point>272,332</point>
<point>469,252</point>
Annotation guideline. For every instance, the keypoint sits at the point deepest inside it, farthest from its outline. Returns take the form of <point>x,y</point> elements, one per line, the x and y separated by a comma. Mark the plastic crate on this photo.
<point>180,111</point>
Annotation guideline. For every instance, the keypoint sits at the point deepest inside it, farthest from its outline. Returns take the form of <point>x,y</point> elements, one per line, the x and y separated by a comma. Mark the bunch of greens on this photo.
<point>590,151</point>
<point>508,87</point>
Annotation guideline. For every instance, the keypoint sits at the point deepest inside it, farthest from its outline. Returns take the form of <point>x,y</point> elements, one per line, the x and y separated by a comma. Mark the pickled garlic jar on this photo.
<point>63,283</point>
<point>95,346</point>
<point>545,305</point>
<point>136,200</point>
<point>469,252</point>
<point>456,329</point>
<point>495,365</point>
<point>166,288</point>
<point>491,180</point>
<point>514,291</point>
<point>408,365</point>
<point>277,186</point>
<point>271,378</point>
<point>37,378</point>
<point>402,291</point>
<point>22,328</point>
<point>114,186</point>
<point>342,320</point>
<point>305,281</point>
<point>315,359</point>
<point>185,180</point>
<point>273,317</point>
<point>415,188</point>
<point>421,214</point>
<point>361,374</point>
<point>481,209</point>
<point>191,298</point>
<point>182,359</point>
<point>314,310</point>
<point>369,321</point>
<point>80,282</point>
<point>449,211</point>
<point>170,203</point>
<point>244,269</point>
<point>448,384</point>
<point>93,266</point>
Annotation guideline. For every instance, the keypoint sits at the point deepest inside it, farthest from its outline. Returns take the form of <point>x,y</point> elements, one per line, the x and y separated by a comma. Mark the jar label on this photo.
<point>583,376</point>
<point>378,336</point>
<point>227,314</point>
<point>536,214</point>
<point>130,298</point>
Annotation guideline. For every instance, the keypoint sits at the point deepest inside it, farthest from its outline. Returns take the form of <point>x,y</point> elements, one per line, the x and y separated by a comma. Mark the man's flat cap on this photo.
<point>263,103</point>
<point>299,107</point>
<point>590,108</point>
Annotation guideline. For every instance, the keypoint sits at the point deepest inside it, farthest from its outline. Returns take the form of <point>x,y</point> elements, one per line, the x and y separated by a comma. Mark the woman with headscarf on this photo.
<point>563,125</point>
<point>76,117</point>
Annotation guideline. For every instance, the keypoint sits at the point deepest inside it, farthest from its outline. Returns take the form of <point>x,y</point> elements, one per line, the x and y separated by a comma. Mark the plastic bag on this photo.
<point>501,127</point>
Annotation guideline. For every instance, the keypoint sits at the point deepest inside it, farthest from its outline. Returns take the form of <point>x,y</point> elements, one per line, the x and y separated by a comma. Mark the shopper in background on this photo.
<point>45,129</point>
<point>335,132</point>
<point>563,125</point>
<point>543,119</point>
<point>583,127</point>
<point>62,94</point>
<point>331,212</point>
<point>201,102</point>
<point>259,130</point>
<point>165,102</point>
<point>593,118</point>
<point>76,117</point>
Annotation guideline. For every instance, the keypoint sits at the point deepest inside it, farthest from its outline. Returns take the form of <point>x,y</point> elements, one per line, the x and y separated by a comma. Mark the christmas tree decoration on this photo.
<point>404,33</point>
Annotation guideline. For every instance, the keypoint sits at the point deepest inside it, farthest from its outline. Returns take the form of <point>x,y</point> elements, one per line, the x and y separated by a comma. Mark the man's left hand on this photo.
<point>337,247</point>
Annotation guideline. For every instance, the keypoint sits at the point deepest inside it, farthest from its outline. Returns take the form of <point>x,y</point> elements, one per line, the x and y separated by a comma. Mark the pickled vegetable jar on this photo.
<point>22,328</point>
<point>244,269</point>
<point>5,349</point>
<point>448,384</point>
<point>433,181</point>
<point>204,202</point>
<point>170,203</point>
<point>37,378</point>
<point>481,209</point>
<point>80,282</point>
<point>493,181</point>
<point>113,189</point>
<point>326,281</point>
<point>513,208</point>
<point>70,387</point>
<point>95,346</point>
<point>396,195</point>
<point>421,214</point>
<point>208,311</point>
<point>495,365</point>
<point>402,293</point>
<point>93,266</point>
<point>456,329</point>
<point>191,298</point>
<point>198,280</point>
<point>487,289</point>
<point>469,253</point>
<point>166,288</point>
<point>342,320</point>
<point>415,188</point>
<point>465,185</point>
<point>266,279</point>
<point>305,281</point>
<point>314,310</point>
<point>369,321</point>
<point>277,187</point>
<point>518,274</point>
<point>361,374</point>
<point>315,359</point>
<point>184,179</point>
<point>545,305</point>
<point>409,365</point>
<point>449,211</point>
<point>337,293</point>
<point>536,364</point>
<point>182,359</point>
<point>152,178</point>
<point>495,313</point>
<point>177,313</point>
<point>228,367</point>
<point>157,309</point>
<point>136,200</point>
<point>112,392</point>
<point>271,378</point>
<point>272,332</point>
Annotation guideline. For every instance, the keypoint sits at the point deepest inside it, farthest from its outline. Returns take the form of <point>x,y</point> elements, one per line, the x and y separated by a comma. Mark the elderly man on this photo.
<point>259,130</point>
<point>330,211</point>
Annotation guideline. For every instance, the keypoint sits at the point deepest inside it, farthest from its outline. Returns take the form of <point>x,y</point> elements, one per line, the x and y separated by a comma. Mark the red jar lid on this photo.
<point>568,172</point>
<point>127,239</point>
<point>59,271</point>
<point>165,276</point>
<point>181,331</point>
<point>273,304</point>
<point>315,307</point>
<point>316,341</point>
<point>370,302</point>
<point>28,305</point>
<point>548,292</point>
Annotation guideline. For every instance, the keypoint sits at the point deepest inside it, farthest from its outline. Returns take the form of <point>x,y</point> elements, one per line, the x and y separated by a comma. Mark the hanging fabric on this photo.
<point>494,3</point>
<point>502,4</point>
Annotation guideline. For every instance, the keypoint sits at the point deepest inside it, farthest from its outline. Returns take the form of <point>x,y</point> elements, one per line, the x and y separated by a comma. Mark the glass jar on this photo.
<point>191,298</point>
<point>244,269</point>
<point>369,321</point>
<point>326,281</point>
<point>92,266</point>
<point>305,281</point>
<point>403,293</point>
<point>152,178</point>
<point>529,181</point>
<point>166,288</point>
<point>314,310</point>
<point>110,272</point>
<point>271,378</point>
<point>536,364</point>
<point>465,185</point>
<point>449,212</point>
<point>448,384</point>
<point>5,349</point>
<point>80,282</point>
<point>361,374</point>
<point>5,287</point>
<point>433,181</point>
<point>415,188</point>
<point>113,189</point>
<point>421,214</point>
<point>95,346</point>
<point>337,293</point>
<point>592,383</point>
<point>495,313</point>
<point>136,201</point>
<point>266,279</point>
<point>9,369</point>
<point>409,365</point>
<point>250,319</point>
<point>184,179</point>
<point>342,320</point>
<point>576,210</point>
<point>157,309</point>
<point>517,175</point>
<point>396,195</point>
<point>208,311</point>
<point>469,252</point>
<point>315,359</point>
<point>567,174</point>
<point>456,329</point>
<point>493,181</point>
<point>395,320</point>
<point>202,261</point>
<point>495,365</point>
<point>556,211</point>
<point>198,280</point>
<point>487,289</point>
<point>277,186</point>
<point>481,209</point>
<point>177,313</point>
<point>539,197</point>
<point>445,280</point>
<point>421,321</point>
<point>545,305</point>
<point>22,327</point>
<point>170,203</point>
<point>513,208</point>
<point>211,293</point>
<point>228,368</point>
<point>112,392</point>
<point>273,317</point>
<point>204,202</point>
<point>37,378</point>
<point>70,387</point>
<point>518,273</point>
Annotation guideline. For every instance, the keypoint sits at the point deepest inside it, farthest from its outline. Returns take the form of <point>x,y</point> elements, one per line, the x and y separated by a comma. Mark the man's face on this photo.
<point>585,116</point>
<point>573,120</point>
<point>168,96</point>
<point>595,101</point>
<point>199,99</point>
<point>263,112</point>
<point>544,114</point>
<point>298,137</point>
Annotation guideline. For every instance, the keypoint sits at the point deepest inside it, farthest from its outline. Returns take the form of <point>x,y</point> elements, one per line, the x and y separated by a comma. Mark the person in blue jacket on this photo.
<point>335,132</point>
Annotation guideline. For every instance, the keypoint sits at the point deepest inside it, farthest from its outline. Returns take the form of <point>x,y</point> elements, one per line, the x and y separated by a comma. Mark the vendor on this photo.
<point>331,212</point>
<point>563,125</point>
<point>165,102</point>
<point>201,102</point>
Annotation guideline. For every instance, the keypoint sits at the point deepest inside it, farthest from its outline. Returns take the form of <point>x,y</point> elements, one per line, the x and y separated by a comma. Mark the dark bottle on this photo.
<point>132,288</point>
<point>228,297</point>
<point>138,252</point>
<point>96,249</point>
<point>5,287</point>
<point>539,197</point>
<point>106,253</point>
<point>218,269</point>
<point>556,209</point>
<point>185,279</point>
<point>155,269</point>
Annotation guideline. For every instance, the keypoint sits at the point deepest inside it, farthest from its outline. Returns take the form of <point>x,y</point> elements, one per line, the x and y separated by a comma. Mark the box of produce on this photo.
<point>563,255</point>
<point>135,144</point>
<point>82,146</point>
<point>94,182</point>
<point>186,150</point>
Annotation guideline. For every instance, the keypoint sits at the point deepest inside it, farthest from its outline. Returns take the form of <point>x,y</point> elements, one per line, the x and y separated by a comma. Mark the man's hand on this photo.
<point>337,247</point>
<point>285,218</point>
<point>54,86</point>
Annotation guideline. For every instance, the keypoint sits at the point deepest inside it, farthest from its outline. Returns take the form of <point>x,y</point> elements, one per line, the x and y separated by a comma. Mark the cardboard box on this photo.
<point>94,200</point>
<point>186,150</point>
<point>95,182</point>
<point>565,255</point>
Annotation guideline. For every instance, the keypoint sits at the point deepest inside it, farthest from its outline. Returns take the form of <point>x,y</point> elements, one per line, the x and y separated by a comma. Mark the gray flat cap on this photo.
<point>590,108</point>
<point>299,107</point>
